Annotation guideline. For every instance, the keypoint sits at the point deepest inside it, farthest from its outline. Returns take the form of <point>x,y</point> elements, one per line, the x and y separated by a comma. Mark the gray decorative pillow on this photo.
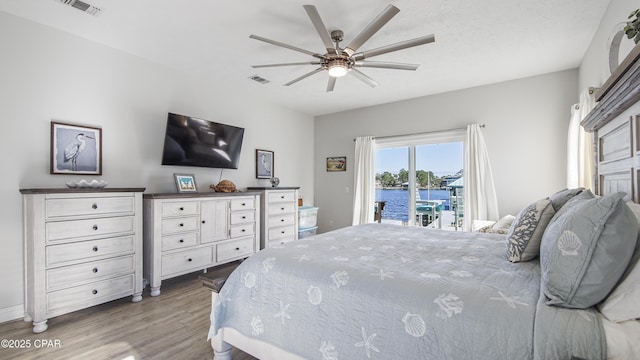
<point>585,251</point>
<point>584,195</point>
<point>561,197</point>
<point>525,234</point>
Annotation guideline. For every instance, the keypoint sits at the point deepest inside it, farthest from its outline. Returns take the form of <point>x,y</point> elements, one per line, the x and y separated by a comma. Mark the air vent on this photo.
<point>259,79</point>
<point>82,6</point>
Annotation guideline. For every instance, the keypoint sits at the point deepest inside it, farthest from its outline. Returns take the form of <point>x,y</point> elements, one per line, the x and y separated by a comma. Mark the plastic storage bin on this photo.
<point>307,216</point>
<point>306,232</point>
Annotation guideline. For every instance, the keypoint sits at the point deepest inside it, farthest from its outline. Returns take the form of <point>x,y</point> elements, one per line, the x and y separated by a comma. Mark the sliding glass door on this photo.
<point>416,178</point>
<point>392,181</point>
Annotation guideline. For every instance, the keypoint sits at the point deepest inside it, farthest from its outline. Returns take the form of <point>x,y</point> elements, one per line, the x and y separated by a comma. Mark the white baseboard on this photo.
<point>12,313</point>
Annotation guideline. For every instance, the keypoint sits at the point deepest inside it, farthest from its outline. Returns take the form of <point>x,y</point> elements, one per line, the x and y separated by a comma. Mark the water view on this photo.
<point>397,201</point>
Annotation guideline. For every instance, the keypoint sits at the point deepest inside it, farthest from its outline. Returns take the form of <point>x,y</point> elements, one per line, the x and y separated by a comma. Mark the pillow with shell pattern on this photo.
<point>586,249</point>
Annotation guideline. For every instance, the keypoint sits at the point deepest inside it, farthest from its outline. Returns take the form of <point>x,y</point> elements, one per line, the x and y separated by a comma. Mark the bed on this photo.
<point>563,283</point>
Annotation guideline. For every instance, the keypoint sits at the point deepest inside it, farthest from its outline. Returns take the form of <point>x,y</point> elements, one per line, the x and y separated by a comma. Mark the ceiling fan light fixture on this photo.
<point>338,68</point>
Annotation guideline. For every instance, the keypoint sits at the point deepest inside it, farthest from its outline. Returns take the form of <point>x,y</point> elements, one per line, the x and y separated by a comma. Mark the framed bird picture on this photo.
<point>264,164</point>
<point>76,149</point>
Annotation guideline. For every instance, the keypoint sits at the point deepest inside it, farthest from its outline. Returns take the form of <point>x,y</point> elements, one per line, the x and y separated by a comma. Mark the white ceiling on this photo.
<point>477,42</point>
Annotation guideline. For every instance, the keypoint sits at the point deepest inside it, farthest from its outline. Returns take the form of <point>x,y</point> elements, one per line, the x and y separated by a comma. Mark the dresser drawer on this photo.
<point>282,196</point>
<point>68,276</point>
<point>172,226</point>
<point>282,220</point>
<point>172,242</point>
<point>56,208</point>
<point>281,232</point>
<point>240,217</point>
<point>281,241</point>
<point>234,249</point>
<point>243,204</point>
<point>61,230</point>
<point>284,208</point>
<point>242,230</point>
<point>83,296</point>
<point>180,208</point>
<point>61,254</point>
<point>186,260</point>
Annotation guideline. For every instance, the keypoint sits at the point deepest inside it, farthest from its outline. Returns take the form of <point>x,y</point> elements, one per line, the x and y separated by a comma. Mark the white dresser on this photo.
<point>279,215</point>
<point>83,247</point>
<point>184,233</point>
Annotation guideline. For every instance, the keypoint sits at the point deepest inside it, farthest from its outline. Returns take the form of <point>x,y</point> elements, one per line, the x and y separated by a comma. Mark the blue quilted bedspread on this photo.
<point>380,291</point>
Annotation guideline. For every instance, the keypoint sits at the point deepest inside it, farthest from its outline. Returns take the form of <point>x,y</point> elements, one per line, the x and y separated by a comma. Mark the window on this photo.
<point>416,178</point>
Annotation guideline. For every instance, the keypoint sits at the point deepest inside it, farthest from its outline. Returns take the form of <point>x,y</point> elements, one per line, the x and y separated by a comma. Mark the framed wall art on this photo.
<point>264,164</point>
<point>337,163</point>
<point>75,149</point>
<point>185,183</point>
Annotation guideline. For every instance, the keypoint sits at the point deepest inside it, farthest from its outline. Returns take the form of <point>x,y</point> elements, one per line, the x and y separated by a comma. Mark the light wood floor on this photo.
<point>173,325</point>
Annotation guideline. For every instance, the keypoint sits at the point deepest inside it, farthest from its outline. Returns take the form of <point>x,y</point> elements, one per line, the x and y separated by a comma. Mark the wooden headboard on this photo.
<point>615,122</point>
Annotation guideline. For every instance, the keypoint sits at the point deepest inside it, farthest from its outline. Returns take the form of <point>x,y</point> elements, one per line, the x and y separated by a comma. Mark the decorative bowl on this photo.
<point>94,184</point>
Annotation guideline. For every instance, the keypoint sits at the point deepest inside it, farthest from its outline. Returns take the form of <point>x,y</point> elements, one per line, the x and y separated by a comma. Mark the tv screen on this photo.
<point>191,141</point>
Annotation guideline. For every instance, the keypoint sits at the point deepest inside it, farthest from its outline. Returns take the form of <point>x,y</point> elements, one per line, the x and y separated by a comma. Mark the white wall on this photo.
<point>50,75</point>
<point>594,68</point>
<point>526,129</point>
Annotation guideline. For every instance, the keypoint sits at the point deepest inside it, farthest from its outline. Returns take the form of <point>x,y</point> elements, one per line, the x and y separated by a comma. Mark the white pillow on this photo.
<point>622,303</point>
<point>504,223</point>
<point>479,224</point>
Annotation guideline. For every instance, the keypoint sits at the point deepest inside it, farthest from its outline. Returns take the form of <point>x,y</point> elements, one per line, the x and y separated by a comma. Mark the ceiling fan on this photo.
<point>338,61</point>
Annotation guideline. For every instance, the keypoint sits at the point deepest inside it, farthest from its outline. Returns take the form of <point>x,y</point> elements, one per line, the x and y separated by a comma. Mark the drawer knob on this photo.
<point>95,227</point>
<point>181,208</point>
<point>181,224</point>
<point>181,241</point>
<point>94,291</point>
<point>282,232</point>
<point>204,222</point>
<point>282,197</point>
<point>95,270</point>
<point>238,249</point>
<point>281,220</point>
<point>95,249</point>
<point>282,209</point>
<point>244,230</point>
<point>244,217</point>
<point>189,259</point>
<point>94,206</point>
<point>244,204</point>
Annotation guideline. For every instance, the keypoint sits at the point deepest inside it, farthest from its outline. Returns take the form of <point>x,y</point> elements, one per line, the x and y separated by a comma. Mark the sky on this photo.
<point>442,159</point>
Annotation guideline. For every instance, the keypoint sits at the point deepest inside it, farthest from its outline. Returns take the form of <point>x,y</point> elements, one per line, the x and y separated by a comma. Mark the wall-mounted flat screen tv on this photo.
<point>190,141</point>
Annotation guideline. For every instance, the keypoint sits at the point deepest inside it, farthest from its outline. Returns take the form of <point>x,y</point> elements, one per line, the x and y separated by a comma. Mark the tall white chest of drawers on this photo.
<point>279,215</point>
<point>83,247</point>
<point>184,233</point>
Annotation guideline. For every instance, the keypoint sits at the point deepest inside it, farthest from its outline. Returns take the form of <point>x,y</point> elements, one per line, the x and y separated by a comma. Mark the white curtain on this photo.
<point>480,200</point>
<point>364,195</point>
<point>580,160</point>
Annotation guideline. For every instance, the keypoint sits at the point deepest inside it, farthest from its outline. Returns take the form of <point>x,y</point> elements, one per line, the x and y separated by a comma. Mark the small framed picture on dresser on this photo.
<point>185,183</point>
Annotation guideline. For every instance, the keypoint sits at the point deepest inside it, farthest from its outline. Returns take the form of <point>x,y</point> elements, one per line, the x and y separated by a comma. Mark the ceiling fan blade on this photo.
<point>320,28</point>
<point>290,47</point>
<point>371,29</point>
<point>331,84</point>
<point>386,65</point>
<point>287,64</point>
<point>395,47</point>
<point>304,76</point>
<point>357,73</point>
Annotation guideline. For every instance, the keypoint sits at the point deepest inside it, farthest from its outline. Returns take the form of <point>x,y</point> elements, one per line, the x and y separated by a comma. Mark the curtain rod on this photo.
<point>591,91</point>
<point>424,133</point>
